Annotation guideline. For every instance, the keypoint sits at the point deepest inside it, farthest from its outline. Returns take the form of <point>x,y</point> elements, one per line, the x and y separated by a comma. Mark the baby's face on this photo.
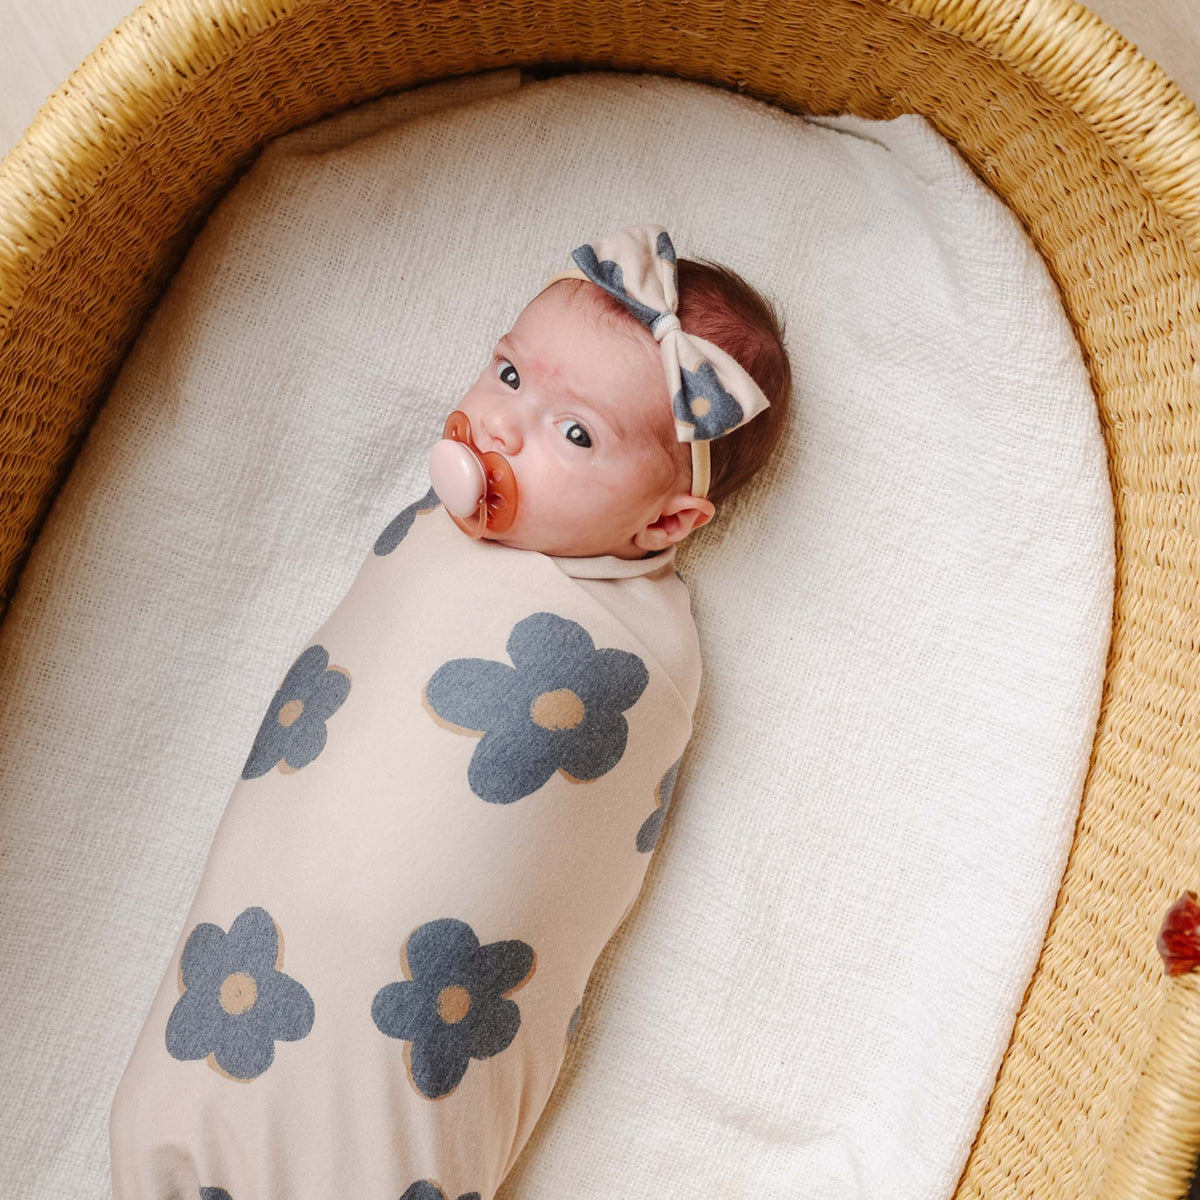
<point>581,413</point>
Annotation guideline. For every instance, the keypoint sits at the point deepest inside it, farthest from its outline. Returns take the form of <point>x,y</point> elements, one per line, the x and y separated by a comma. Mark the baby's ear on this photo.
<point>699,509</point>
<point>680,514</point>
<point>710,511</point>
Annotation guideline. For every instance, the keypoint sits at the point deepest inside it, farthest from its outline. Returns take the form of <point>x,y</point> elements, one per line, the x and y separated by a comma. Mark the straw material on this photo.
<point>1091,146</point>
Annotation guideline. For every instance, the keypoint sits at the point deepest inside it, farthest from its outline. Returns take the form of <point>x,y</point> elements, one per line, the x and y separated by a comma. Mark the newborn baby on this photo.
<point>451,802</point>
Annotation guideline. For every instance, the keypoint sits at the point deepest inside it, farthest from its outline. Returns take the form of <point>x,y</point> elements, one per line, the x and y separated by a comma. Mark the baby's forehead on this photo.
<point>637,398</point>
<point>643,416</point>
<point>650,426</point>
<point>616,362</point>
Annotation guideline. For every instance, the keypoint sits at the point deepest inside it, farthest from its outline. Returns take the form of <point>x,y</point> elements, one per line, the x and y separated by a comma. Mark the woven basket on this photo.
<point>1091,145</point>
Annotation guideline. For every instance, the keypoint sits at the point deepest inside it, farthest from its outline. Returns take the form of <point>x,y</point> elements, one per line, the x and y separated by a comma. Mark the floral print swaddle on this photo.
<point>447,810</point>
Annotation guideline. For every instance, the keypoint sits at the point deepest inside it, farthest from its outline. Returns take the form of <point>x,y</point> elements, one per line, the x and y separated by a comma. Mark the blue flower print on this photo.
<point>214,1193</point>
<point>451,1008</point>
<point>557,708</point>
<point>426,1189</point>
<point>702,401</point>
<point>401,523</point>
<point>647,835</point>
<point>572,1024</point>
<point>665,249</point>
<point>607,273</point>
<point>293,732</point>
<point>236,1003</point>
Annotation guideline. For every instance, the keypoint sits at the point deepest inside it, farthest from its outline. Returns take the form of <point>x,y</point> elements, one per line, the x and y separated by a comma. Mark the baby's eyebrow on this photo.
<point>610,417</point>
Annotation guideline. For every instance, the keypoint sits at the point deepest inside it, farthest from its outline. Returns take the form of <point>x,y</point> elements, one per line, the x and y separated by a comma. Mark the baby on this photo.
<point>450,804</point>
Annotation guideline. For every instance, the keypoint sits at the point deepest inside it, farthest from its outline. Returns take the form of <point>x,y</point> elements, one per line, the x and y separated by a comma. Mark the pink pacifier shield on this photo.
<point>478,489</point>
<point>457,476</point>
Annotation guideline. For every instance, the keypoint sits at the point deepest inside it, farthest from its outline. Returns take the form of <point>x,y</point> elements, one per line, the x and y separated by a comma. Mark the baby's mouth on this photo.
<point>477,487</point>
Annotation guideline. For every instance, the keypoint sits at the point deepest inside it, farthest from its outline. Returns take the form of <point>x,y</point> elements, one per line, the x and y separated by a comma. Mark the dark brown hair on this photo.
<point>717,304</point>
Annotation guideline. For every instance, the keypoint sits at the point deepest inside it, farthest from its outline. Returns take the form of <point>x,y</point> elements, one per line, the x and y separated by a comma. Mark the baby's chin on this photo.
<point>525,539</point>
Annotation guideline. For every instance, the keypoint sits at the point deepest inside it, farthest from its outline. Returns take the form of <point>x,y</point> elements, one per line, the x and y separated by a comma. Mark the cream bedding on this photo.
<point>904,624</point>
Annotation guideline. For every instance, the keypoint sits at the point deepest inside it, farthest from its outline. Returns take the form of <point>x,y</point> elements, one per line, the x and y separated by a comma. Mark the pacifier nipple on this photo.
<point>478,489</point>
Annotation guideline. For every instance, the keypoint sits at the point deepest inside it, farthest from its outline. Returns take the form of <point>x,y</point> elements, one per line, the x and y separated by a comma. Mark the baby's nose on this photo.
<point>503,428</point>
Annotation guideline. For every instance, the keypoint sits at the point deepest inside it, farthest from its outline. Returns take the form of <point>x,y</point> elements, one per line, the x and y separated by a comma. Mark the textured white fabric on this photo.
<point>904,623</point>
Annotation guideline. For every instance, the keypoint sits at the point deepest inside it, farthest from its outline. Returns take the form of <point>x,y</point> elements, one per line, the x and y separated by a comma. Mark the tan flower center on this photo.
<point>560,709</point>
<point>290,712</point>
<point>238,993</point>
<point>700,406</point>
<point>453,1003</point>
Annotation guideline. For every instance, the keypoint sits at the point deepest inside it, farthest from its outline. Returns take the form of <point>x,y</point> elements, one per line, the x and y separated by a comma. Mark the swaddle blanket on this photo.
<point>446,813</point>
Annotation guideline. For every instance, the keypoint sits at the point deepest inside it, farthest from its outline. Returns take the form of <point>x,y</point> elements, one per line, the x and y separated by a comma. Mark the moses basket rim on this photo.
<point>1091,145</point>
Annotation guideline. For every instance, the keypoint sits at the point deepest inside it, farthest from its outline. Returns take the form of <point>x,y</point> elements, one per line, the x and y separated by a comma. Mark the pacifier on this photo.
<point>477,487</point>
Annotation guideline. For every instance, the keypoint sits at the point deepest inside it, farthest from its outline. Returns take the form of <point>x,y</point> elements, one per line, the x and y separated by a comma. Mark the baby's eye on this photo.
<point>586,442</point>
<point>508,373</point>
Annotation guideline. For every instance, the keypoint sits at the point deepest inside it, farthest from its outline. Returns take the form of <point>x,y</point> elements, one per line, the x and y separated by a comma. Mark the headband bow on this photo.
<point>711,392</point>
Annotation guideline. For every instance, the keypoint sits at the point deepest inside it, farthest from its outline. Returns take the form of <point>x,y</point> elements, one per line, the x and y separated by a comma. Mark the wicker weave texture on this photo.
<point>1090,145</point>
